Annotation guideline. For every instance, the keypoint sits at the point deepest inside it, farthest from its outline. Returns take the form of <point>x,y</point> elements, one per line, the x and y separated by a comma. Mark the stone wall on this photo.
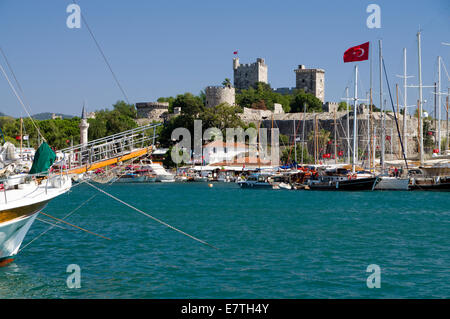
<point>285,123</point>
<point>152,110</point>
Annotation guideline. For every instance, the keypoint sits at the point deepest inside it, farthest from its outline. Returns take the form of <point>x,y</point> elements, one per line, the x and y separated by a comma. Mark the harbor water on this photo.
<point>271,244</point>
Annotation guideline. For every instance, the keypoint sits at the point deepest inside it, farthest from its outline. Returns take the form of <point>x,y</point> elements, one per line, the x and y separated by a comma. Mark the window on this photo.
<point>225,150</point>
<point>214,150</point>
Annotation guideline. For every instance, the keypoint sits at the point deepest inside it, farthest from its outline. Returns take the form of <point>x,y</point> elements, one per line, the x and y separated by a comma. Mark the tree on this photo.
<point>190,104</point>
<point>301,100</point>
<point>323,137</point>
<point>342,106</point>
<point>227,82</point>
<point>222,116</point>
<point>288,155</point>
<point>261,96</point>
<point>128,110</point>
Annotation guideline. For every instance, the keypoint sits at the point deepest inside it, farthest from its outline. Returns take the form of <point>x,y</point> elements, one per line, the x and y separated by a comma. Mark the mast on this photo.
<point>315,140</point>
<point>435,114</point>
<point>335,139</point>
<point>405,108</point>
<point>355,121</point>
<point>369,122</point>
<point>303,131</point>
<point>295,142</point>
<point>398,112</point>
<point>383,137</point>
<point>419,50</point>
<point>348,125</point>
<point>448,142</point>
<point>368,133</point>
<point>21,137</point>
<point>439,104</point>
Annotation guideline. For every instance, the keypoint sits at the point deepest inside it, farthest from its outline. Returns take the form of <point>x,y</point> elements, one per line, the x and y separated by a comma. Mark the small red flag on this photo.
<point>357,53</point>
<point>235,52</point>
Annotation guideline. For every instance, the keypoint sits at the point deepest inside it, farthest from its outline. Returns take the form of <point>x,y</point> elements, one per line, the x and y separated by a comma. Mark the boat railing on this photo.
<point>110,147</point>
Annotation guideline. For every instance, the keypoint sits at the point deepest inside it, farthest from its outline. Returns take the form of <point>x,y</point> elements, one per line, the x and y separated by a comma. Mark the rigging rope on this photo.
<point>104,56</point>
<point>21,102</point>
<point>150,216</point>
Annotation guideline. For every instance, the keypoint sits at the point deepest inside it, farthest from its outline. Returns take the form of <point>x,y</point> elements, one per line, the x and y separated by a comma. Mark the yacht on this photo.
<point>22,198</point>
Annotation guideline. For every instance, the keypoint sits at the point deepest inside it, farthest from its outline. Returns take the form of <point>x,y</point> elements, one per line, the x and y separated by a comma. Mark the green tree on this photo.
<point>301,100</point>
<point>227,82</point>
<point>342,106</point>
<point>190,104</point>
<point>261,96</point>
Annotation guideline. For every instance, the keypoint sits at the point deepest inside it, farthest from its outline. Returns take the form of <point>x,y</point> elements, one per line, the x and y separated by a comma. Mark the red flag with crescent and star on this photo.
<point>357,53</point>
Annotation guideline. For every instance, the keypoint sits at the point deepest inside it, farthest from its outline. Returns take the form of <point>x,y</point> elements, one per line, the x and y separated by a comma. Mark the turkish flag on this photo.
<point>235,52</point>
<point>357,53</point>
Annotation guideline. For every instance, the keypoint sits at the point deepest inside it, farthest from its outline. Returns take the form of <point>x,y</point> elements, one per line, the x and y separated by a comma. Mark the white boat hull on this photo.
<point>12,234</point>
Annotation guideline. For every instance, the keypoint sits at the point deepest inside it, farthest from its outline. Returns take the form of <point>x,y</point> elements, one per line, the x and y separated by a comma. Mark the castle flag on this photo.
<point>235,52</point>
<point>357,53</point>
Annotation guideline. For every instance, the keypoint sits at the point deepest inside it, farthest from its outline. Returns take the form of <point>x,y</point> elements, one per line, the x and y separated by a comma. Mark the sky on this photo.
<point>164,48</point>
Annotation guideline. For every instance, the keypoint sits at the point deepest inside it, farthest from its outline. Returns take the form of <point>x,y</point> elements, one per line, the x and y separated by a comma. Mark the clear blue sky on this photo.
<point>163,48</point>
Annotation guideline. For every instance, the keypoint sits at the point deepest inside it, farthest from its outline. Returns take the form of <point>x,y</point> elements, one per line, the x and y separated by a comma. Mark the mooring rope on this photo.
<point>68,215</point>
<point>150,216</point>
<point>75,226</point>
<point>47,222</point>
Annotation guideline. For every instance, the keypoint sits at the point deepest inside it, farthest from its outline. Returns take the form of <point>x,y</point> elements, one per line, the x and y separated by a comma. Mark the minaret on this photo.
<point>84,125</point>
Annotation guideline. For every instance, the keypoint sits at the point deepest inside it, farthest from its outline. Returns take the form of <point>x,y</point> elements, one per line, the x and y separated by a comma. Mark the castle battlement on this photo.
<point>245,75</point>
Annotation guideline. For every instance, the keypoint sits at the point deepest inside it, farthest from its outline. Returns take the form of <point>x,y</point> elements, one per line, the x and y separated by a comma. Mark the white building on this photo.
<point>218,151</point>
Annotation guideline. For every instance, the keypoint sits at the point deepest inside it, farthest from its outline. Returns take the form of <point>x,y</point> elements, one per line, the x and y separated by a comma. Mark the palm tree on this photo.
<point>227,82</point>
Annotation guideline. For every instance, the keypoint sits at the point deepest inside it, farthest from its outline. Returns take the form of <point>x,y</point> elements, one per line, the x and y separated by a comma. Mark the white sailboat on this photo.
<point>24,197</point>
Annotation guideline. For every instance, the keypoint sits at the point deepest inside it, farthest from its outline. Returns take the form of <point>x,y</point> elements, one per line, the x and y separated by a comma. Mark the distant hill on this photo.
<point>3,114</point>
<point>48,116</point>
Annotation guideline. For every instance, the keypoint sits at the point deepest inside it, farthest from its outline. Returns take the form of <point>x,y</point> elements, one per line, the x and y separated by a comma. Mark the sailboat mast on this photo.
<point>369,140</point>
<point>348,124</point>
<point>21,136</point>
<point>439,104</point>
<point>295,142</point>
<point>355,121</point>
<point>335,139</point>
<point>405,108</point>
<point>419,50</point>
<point>303,131</point>
<point>383,138</point>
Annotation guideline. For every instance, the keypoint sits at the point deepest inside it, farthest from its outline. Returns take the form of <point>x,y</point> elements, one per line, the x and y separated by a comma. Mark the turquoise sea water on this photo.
<point>272,244</point>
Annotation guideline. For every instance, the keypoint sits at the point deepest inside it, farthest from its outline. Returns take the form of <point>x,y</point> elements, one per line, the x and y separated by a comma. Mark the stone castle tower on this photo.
<point>216,95</point>
<point>311,81</point>
<point>245,75</point>
<point>84,125</point>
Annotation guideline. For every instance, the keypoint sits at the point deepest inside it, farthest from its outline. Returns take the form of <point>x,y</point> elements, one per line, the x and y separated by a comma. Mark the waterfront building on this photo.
<point>218,151</point>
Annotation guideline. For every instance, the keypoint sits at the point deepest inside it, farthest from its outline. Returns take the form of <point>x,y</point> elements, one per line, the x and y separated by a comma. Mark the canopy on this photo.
<point>43,159</point>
